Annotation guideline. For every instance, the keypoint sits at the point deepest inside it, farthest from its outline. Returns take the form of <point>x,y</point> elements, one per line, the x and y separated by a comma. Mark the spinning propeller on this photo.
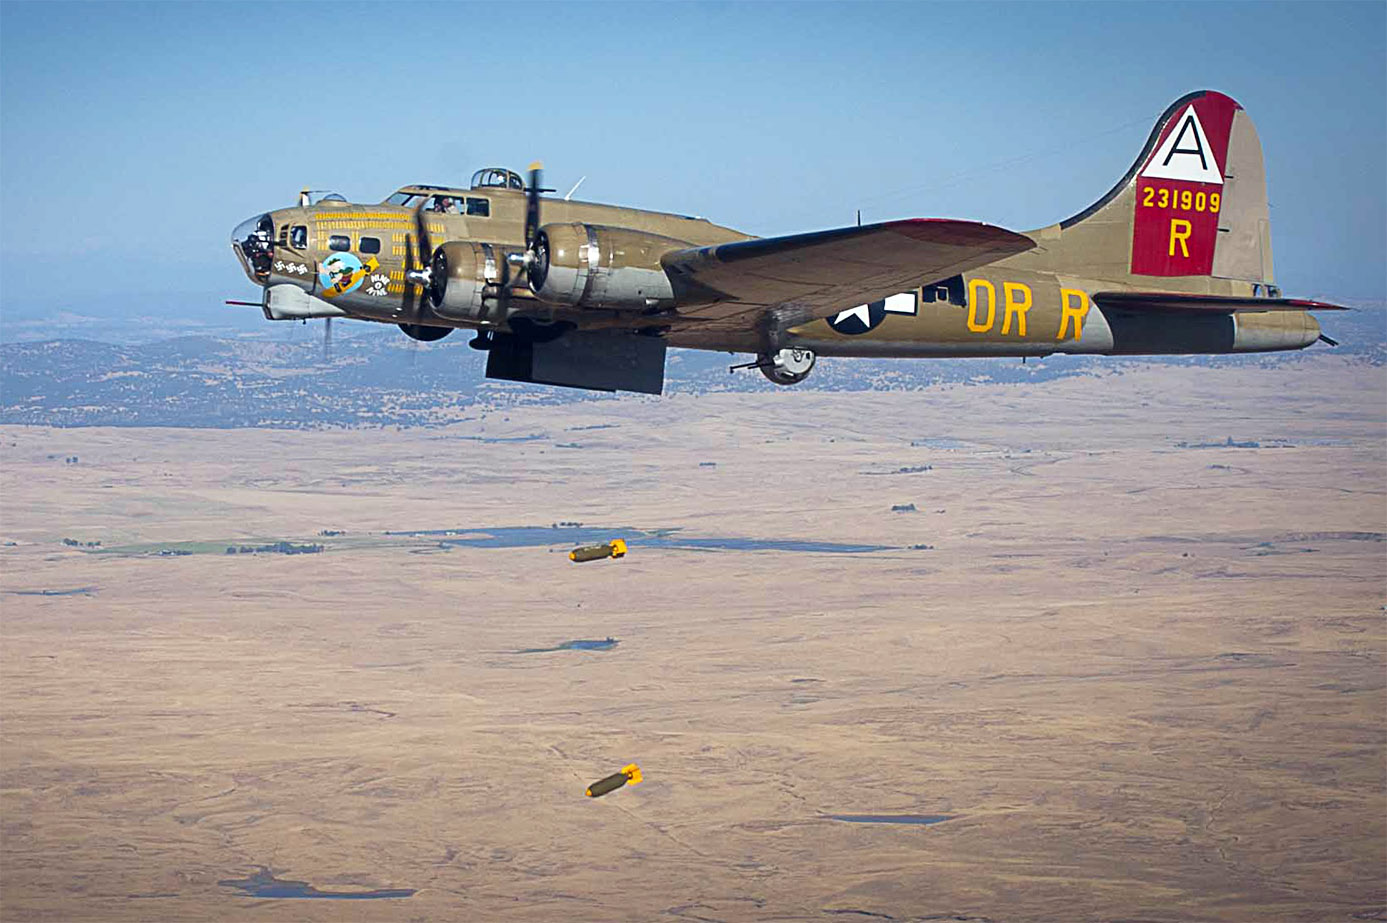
<point>536,255</point>
<point>427,270</point>
<point>419,275</point>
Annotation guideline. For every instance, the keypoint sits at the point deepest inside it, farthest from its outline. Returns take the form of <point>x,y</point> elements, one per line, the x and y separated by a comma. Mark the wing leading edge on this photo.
<point>806,276</point>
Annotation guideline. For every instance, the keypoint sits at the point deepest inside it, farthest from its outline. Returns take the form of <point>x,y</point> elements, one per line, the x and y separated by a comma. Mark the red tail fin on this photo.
<point>1193,204</point>
<point>1180,190</point>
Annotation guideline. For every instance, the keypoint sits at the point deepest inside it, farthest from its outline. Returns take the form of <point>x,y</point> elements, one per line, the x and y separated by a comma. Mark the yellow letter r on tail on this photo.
<point>1180,230</point>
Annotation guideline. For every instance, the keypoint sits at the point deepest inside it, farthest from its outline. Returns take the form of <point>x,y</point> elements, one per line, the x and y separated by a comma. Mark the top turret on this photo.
<point>497,178</point>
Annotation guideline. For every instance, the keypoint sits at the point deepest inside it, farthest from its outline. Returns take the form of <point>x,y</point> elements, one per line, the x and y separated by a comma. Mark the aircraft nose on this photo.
<point>254,243</point>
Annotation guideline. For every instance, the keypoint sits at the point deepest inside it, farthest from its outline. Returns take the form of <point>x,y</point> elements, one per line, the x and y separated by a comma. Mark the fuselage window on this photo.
<point>954,292</point>
<point>298,236</point>
<point>369,245</point>
<point>283,235</point>
<point>338,242</point>
<point>480,208</point>
<point>950,291</point>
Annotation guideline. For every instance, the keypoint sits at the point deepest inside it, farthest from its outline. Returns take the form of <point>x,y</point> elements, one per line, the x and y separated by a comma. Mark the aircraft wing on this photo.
<point>1172,303</point>
<point>801,277</point>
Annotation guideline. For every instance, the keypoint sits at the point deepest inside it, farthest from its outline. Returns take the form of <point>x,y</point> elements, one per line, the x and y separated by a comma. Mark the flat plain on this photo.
<point>1141,676</point>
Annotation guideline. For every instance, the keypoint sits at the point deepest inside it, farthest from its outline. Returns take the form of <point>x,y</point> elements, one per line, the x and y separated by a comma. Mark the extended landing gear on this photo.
<point>785,367</point>
<point>788,366</point>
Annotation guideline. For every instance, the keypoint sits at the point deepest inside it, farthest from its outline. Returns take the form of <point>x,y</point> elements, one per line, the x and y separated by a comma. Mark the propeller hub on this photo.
<point>438,276</point>
<point>537,262</point>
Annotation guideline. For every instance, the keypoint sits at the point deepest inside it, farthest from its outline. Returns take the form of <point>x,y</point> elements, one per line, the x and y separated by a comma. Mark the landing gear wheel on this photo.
<point>788,366</point>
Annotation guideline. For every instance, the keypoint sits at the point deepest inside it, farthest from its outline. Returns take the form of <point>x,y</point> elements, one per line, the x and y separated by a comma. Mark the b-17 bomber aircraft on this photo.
<point>1174,259</point>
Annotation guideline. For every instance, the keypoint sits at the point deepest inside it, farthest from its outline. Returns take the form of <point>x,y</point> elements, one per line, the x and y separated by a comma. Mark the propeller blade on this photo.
<point>412,289</point>
<point>532,205</point>
<point>417,270</point>
<point>327,339</point>
<point>526,259</point>
<point>422,228</point>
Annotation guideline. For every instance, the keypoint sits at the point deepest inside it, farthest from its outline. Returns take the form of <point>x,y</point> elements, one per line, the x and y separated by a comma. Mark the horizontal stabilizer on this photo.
<point>1173,303</point>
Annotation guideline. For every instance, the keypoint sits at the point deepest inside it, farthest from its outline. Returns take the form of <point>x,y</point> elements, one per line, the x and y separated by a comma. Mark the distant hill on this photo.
<point>374,376</point>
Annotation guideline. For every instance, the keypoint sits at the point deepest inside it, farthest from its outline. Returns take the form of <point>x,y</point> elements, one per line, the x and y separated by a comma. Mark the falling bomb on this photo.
<point>616,548</point>
<point>630,773</point>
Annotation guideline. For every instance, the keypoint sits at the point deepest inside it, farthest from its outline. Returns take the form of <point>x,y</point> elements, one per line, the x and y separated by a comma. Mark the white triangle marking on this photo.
<point>861,312</point>
<point>1186,154</point>
<point>904,303</point>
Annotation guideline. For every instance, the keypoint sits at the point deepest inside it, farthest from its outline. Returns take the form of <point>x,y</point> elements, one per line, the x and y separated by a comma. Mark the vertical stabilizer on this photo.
<point>1193,205</point>
<point>1243,250</point>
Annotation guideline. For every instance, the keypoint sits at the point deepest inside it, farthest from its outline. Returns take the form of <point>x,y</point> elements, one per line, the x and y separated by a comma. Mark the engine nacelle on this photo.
<point>591,266</point>
<point>467,280</point>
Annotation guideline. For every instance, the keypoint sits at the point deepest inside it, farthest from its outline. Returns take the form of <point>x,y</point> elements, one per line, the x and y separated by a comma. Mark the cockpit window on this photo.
<point>405,199</point>
<point>478,208</point>
<point>445,205</point>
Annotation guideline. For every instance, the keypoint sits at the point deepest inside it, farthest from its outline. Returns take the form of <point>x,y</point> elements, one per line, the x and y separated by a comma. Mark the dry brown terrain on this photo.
<point>1145,682</point>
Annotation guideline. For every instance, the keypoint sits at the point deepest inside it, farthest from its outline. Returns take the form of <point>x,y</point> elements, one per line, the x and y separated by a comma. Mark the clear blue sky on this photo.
<point>133,136</point>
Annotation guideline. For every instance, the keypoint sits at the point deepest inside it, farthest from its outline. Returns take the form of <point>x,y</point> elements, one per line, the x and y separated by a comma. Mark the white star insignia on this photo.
<point>861,312</point>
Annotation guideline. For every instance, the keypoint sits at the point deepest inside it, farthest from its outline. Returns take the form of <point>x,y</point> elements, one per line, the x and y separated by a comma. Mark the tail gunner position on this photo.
<point>1174,259</point>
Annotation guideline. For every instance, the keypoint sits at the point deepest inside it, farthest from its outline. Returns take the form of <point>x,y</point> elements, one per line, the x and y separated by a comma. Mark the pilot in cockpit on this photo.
<point>444,205</point>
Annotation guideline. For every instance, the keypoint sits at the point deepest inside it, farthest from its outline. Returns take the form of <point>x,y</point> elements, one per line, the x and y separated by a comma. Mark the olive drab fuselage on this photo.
<point>1018,306</point>
<point>1175,258</point>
